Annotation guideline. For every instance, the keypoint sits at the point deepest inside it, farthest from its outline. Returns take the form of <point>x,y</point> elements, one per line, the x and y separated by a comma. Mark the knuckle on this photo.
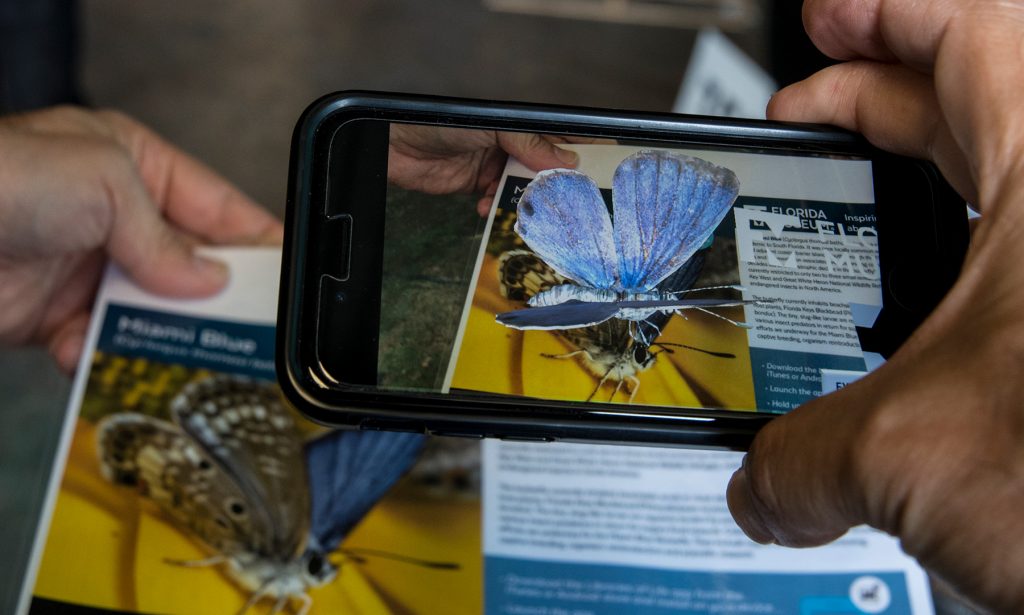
<point>817,16</point>
<point>68,112</point>
<point>115,117</point>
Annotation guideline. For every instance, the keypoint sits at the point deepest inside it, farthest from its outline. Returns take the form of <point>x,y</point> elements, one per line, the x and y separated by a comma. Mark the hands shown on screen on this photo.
<point>441,160</point>
<point>930,447</point>
<point>79,187</point>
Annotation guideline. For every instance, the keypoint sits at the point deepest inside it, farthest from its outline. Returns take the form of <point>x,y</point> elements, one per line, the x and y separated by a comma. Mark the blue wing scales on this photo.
<point>574,314</point>
<point>666,205</point>
<point>563,218</point>
<point>568,315</point>
<point>349,471</point>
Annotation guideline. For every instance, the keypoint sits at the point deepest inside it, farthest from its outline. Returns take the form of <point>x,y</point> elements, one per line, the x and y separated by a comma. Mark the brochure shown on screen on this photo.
<point>698,278</point>
<point>191,486</point>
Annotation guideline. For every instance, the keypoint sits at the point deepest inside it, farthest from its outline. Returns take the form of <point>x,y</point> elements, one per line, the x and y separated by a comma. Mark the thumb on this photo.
<point>536,152</point>
<point>154,253</point>
<point>798,483</point>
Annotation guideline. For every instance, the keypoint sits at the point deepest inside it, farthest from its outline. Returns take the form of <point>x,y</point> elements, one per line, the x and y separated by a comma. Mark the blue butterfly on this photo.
<point>665,207</point>
<point>232,469</point>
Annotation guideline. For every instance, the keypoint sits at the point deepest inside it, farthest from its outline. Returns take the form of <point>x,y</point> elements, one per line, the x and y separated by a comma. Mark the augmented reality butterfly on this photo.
<point>233,470</point>
<point>665,206</point>
<point>608,350</point>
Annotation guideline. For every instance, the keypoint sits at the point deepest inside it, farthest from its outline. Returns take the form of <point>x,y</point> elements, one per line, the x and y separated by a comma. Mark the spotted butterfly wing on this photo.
<point>522,274</point>
<point>232,470</point>
<point>245,429</point>
<point>165,464</point>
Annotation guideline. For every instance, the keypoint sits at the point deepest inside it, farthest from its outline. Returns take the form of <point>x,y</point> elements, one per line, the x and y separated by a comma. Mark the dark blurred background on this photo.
<point>226,82</point>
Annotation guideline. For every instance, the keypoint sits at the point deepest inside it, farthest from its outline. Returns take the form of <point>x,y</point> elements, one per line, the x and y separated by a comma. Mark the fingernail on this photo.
<point>270,237</point>
<point>567,156</point>
<point>210,268</point>
<point>744,512</point>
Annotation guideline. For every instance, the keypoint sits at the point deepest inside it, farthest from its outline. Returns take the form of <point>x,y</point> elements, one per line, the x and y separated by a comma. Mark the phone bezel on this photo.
<point>933,254</point>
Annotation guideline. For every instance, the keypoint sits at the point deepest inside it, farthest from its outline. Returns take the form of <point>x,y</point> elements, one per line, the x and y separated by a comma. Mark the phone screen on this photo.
<point>643,274</point>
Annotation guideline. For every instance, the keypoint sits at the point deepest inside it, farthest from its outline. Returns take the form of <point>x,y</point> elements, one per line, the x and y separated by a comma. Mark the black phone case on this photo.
<point>921,250</point>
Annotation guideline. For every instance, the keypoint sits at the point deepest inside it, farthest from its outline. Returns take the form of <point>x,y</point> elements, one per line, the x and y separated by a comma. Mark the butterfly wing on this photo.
<point>349,471</point>
<point>563,218</point>
<point>245,429</point>
<point>166,465</point>
<point>522,274</point>
<point>568,315</point>
<point>678,304</point>
<point>666,206</point>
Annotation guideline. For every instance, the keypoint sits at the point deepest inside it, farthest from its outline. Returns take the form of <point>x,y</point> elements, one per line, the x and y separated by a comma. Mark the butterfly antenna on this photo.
<point>336,559</point>
<point>722,355</point>
<point>724,286</point>
<point>356,554</point>
<point>741,325</point>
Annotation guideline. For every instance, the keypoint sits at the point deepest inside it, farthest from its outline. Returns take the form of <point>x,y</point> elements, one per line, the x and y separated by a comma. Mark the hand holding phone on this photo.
<point>928,447</point>
<point>682,281</point>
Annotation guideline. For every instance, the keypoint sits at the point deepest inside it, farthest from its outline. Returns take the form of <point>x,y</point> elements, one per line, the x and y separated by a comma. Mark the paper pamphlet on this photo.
<point>595,530</point>
<point>179,449</point>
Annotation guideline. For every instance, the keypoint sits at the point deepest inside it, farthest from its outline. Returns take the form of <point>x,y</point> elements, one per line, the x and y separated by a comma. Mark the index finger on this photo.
<point>535,151</point>
<point>885,30</point>
<point>191,195</point>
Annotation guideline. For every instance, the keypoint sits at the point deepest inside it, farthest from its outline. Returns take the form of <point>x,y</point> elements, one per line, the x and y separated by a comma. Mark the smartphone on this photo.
<point>541,273</point>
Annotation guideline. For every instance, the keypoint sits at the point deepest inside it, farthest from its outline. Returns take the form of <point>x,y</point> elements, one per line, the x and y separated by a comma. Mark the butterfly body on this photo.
<point>608,350</point>
<point>649,300</point>
<point>280,579</point>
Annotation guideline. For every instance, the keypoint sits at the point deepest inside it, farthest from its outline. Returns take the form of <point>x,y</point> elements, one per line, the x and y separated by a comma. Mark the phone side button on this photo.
<point>457,434</point>
<point>526,438</point>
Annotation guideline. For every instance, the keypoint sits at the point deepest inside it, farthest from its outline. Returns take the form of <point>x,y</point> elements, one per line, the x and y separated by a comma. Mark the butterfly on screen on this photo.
<point>665,207</point>
<point>232,469</point>
<point>609,350</point>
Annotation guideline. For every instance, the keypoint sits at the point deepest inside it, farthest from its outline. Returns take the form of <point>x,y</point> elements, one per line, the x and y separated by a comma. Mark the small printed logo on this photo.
<point>870,594</point>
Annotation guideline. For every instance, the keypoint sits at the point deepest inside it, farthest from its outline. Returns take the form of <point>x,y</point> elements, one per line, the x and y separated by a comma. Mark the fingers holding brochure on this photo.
<point>452,160</point>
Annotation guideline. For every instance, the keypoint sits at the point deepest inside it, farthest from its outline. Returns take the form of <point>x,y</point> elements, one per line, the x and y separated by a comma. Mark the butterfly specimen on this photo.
<point>609,350</point>
<point>665,207</point>
<point>233,470</point>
